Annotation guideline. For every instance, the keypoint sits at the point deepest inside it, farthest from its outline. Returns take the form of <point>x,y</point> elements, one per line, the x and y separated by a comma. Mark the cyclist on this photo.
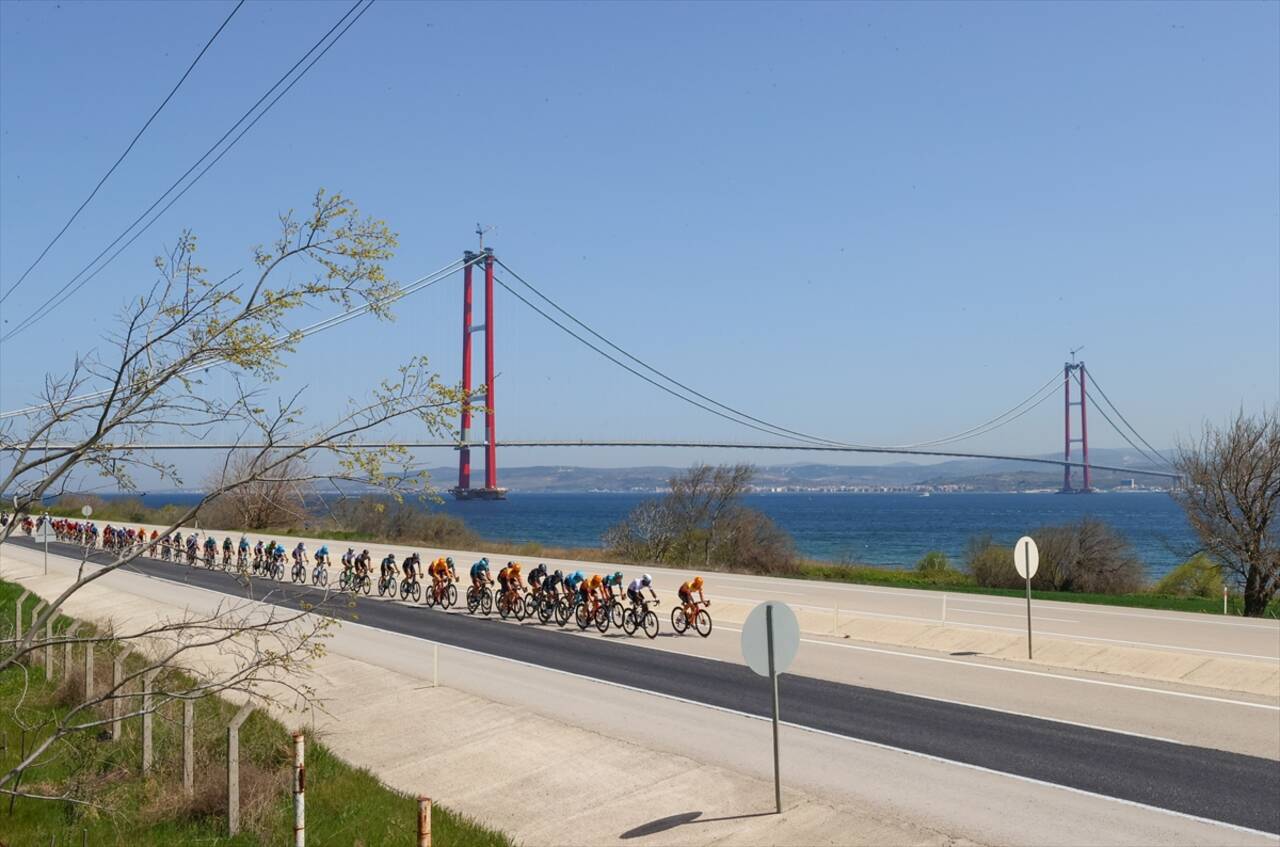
<point>441,571</point>
<point>192,544</point>
<point>411,567</point>
<point>226,550</point>
<point>509,581</point>
<point>610,586</point>
<point>244,549</point>
<point>361,563</point>
<point>300,554</point>
<point>590,591</point>
<point>210,548</point>
<point>635,589</point>
<point>257,555</point>
<point>686,591</point>
<point>573,581</point>
<point>551,585</point>
<point>480,575</point>
<point>322,555</point>
<point>389,566</point>
<point>536,578</point>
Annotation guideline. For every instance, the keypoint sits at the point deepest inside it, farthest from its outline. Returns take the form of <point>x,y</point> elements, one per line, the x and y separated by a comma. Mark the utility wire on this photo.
<point>112,169</point>
<point>1094,380</point>
<point>53,302</point>
<point>983,428</point>
<point>296,335</point>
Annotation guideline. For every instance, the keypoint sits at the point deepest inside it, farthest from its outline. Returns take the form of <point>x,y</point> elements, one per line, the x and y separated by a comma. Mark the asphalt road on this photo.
<point>1211,784</point>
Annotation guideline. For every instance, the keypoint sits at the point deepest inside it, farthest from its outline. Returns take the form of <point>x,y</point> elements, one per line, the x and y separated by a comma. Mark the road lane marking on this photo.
<point>959,609</point>
<point>856,647</point>
<point>879,745</point>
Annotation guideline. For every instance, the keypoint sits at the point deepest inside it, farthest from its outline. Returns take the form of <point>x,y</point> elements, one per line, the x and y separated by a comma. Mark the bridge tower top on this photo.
<point>491,490</point>
<point>1077,370</point>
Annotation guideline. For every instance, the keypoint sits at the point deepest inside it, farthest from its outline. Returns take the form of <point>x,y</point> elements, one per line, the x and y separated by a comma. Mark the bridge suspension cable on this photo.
<point>70,288</point>
<point>997,422</point>
<point>1093,379</point>
<point>1121,432</point>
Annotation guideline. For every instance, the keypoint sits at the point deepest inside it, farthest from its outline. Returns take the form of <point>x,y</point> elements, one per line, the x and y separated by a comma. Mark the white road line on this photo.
<point>960,609</point>
<point>856,647</point>
<point>1045,674</point>
<point>876,744</point>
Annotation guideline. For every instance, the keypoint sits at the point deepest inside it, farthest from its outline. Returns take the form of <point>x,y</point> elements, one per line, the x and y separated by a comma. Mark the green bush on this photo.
<point>933,562</point>
<point>1087,556</point>
<point>1199,576</point>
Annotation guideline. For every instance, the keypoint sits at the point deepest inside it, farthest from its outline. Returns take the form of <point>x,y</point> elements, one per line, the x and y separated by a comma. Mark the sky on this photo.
<point>881,223</point>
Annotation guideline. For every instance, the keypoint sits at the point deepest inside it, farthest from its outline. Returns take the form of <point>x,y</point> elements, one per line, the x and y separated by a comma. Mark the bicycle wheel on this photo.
<point>473,602</point>
<point>530,605</point>
<point>504,608</point>
<point>617,612</point>
<point>486,600</point>
<point>651,624</point>
<point>417,594</point>
<point>629,622</point>
<point>518,609</point>
<point>678,620</point>
<point>450,596</point>
<point>546,609</point>
<point>602,619</point>
<point>366,584</point>
<point>702,622</point>
<point>581,616</point>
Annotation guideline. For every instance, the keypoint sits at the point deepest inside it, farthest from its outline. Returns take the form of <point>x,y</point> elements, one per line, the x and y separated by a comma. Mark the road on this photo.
<point>1213,784</point>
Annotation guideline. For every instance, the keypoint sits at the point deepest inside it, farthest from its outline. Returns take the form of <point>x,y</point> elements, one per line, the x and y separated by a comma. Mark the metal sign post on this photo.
<point>770,639</point>
<point>1026,558</point>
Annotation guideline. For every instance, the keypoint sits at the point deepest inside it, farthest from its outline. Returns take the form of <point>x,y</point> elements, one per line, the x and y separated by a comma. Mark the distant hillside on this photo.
<point>959,474</point>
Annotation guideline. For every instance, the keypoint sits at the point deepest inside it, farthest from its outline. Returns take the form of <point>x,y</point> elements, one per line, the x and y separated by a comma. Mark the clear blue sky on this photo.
<point>880,223</point>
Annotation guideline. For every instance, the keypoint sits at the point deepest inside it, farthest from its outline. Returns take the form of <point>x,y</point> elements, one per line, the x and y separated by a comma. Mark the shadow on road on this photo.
<point>682,819</point>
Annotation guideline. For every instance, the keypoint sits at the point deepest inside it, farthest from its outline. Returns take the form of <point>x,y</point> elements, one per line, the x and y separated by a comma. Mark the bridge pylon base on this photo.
<point>460,493</point>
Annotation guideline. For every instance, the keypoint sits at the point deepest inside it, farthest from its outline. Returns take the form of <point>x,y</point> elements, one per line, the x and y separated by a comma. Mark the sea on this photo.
<point>892,530</point>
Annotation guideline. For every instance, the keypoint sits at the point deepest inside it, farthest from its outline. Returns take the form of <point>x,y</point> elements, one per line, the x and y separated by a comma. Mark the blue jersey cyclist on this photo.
<point>480,574</point>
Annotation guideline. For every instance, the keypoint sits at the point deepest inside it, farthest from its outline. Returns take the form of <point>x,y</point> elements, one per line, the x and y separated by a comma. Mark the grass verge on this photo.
<point>345,805</point>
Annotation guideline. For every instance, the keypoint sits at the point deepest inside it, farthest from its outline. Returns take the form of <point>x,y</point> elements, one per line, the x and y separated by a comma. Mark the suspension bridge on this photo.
<point>1074,382</point>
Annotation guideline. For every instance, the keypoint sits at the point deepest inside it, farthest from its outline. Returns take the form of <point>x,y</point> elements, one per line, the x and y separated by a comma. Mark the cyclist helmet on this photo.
<point>696,585</point>
<point>617,577</point>
<point>449,561</point>
<point>646,580</point>
<point>364,552</point>
<point>485,561</point>
<point>515,566</point>
<point>391,556</point>
<point>559,574</point>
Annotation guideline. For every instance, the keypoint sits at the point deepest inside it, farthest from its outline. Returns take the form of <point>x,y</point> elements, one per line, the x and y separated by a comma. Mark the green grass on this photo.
<point>345,805</point>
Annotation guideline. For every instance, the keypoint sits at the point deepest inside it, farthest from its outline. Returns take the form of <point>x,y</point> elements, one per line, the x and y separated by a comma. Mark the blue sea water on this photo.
<point>881,529</point>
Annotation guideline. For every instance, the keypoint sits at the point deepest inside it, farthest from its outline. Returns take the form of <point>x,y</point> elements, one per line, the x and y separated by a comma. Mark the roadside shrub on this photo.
<point>990,565</point>
<point>933,562</point>
<point>1199,576</point>
<point>1086,556</point>
<point>402,522</point>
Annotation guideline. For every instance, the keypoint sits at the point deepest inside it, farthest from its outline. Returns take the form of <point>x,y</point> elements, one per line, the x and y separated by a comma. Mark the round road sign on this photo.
<point>87,511</point>
<point>755,638</point>
<point>1026,557</point>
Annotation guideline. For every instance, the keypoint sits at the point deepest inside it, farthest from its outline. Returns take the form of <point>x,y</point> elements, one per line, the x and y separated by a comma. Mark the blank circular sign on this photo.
<point>87,511</point>
<point>1026,557</point>
<point>755,638</point>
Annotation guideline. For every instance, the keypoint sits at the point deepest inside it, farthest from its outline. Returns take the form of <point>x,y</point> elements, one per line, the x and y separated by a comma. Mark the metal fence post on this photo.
<point>70,635</point>
<point>48,648</point>
<point>299,791</point>
<point>88,671</point>
<point>17,620</point>
<point>233,768</point>
<point>424,821</point>
<point>117,696</point>
<point>147,679</point>
<point>189,747</point>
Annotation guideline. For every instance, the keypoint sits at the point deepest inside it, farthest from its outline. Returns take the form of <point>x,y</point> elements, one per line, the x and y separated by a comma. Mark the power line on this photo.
<point>1098,388</point>
<point>53,302</point>
<point>112,169</point>
<point>307,331</point>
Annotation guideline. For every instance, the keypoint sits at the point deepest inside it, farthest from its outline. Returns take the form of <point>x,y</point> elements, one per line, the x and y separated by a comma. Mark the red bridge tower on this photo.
<point>491,491</point>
